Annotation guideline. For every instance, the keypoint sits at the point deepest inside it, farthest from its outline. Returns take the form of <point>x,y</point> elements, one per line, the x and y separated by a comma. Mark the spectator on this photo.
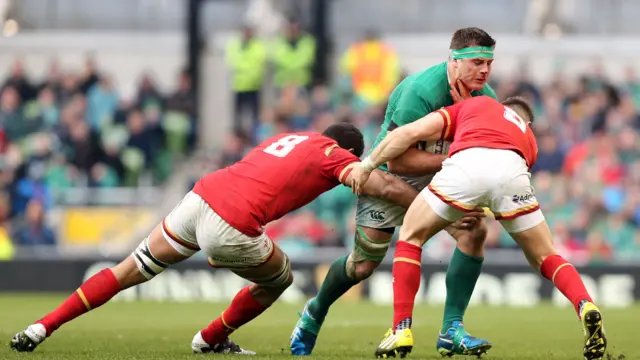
<point>11,120</point>
<point>102,102</point>
<point>83,146</point>
<point>550,156</point>
<point>234,148</point>
<point>18,80</point>
<point>139,135</point>
<point>89,77</point>
<point>183,100</point>
<point>293,57</point>
<point>47,110</point>
<point>372,68</point>
<point>34,231</point>
<point>53,81</point>
<point>148,94</point>
<point>246,57</point>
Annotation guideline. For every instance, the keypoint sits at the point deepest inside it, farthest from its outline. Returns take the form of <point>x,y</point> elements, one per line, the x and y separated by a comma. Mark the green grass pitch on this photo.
<point>148,330</point>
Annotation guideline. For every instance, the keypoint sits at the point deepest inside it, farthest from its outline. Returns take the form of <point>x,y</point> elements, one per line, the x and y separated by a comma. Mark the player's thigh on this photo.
<point>536,241</point>
<point>422,221</point>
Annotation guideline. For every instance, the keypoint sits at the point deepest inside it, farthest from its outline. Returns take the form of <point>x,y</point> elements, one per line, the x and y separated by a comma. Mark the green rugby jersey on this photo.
<point>418,95</point>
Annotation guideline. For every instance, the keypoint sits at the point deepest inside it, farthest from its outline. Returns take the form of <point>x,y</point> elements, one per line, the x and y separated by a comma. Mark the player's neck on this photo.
<point>449,73</point>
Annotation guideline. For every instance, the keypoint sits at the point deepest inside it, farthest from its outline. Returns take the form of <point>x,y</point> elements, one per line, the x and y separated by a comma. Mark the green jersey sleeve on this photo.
<point>410,106</point>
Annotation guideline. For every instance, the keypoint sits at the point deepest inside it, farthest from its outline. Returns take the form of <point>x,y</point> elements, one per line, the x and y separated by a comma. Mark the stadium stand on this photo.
<point>73,130</point>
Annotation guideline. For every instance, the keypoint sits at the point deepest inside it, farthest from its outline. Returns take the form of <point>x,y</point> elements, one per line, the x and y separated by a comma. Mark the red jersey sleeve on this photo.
<point>334,160</point>
<point>450,115</point>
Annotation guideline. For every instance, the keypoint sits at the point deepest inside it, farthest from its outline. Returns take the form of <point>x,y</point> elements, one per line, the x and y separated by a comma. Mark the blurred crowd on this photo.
<point>72,129</point>
<point>587,177</point>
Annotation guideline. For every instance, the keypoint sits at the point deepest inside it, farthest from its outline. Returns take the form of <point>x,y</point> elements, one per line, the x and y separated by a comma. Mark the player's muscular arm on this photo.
<point>416,162</point>
<point>398,141</point>
<point>385,186</point>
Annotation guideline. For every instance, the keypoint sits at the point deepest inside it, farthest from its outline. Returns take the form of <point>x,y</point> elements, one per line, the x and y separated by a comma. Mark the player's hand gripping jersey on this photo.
<point>415,97</point>
<point>483,122</point>
<point>280,175</point>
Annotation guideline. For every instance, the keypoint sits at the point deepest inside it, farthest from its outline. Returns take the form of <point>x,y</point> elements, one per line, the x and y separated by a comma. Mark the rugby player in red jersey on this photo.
<point>492,150</point>
<point>224,215</point>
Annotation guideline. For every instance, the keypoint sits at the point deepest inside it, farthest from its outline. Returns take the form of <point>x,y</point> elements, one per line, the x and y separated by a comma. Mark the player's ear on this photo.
<point>352,150</point>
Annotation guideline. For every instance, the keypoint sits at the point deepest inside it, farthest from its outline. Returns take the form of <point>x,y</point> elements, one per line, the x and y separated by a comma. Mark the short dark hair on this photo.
<point>347,136</point>
<point>521,106</point>
<point>471,36</point>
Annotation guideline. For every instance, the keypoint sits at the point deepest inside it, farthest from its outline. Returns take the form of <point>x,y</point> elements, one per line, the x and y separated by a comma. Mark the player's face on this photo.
<point>474,73</point>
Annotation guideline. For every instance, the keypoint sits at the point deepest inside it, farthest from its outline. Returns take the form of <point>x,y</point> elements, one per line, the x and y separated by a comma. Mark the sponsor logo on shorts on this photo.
<point>240,260</point>
<point>377,215</point>
<point>521,198</point>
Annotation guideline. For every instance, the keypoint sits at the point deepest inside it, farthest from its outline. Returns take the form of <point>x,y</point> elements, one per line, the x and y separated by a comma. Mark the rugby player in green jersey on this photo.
<point>464,74</point>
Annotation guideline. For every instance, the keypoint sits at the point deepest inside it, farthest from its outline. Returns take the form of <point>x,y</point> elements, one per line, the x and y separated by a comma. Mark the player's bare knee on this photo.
<point>127,273</point>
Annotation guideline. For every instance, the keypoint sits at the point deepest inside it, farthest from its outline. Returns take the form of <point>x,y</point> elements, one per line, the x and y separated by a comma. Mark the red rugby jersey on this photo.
<point>280,175</point>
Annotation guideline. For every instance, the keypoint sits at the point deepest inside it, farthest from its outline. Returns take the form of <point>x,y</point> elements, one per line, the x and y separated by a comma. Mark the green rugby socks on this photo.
<point>335,284</point>
<point>462,275</point>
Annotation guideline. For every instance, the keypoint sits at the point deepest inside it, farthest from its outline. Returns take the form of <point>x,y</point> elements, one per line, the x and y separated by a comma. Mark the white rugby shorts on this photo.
<point>493,178</point>
<point>193,225</point>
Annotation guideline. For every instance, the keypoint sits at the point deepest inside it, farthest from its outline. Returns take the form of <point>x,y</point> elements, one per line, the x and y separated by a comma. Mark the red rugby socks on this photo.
<point>566,278</point>
<point>406,281</point>
<point>94,292</point>
<point>243,309</point>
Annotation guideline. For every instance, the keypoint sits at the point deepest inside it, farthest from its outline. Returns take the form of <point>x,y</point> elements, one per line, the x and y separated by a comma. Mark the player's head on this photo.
<point>472,56</point>
<point>521,107</point>
<point>347,136</point>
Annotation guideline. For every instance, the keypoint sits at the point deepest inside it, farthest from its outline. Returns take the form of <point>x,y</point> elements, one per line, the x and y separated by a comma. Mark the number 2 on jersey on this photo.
<point>513,117</point>
<point>284,146</point>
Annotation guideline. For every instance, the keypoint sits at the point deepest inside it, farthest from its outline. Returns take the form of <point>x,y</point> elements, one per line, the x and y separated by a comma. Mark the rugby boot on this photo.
<point>198,345</point>
<point>303,338</point>
<point>29,339</point>
<point>457,341</point>
<point>595,340</point>
<point>395,343</point>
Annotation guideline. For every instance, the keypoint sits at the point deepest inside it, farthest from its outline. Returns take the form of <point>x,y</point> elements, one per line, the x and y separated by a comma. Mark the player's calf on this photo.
<point>537,244</point>
<point>150,258</point>
<point>270,280</point>
<point>370,247</point>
